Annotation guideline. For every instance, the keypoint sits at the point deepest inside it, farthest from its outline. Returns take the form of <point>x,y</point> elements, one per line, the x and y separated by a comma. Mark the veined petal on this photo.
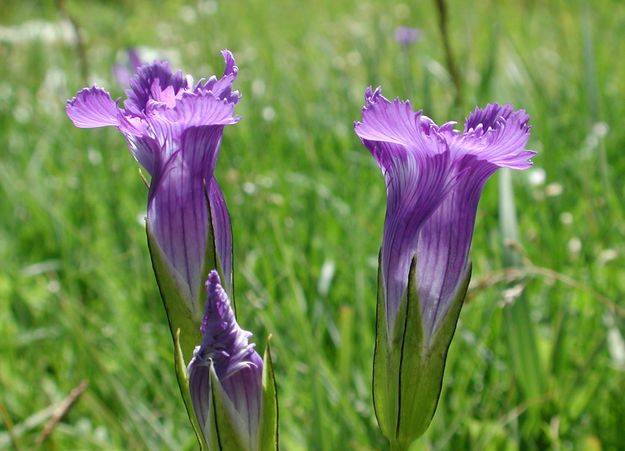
<point>144,83</point>
<point>415,189</point>
<point>92,107</point>
<point>178,210</point>
<point>496,134</point>
<point>396,122</point>
<point>223,232</point>
<point>146,151</point>
<point>201,108</point>
<point>237,365</point>
<point>200,111</point>
<point>177,218</point>
<point>415,161</point>
<point>444,242</point>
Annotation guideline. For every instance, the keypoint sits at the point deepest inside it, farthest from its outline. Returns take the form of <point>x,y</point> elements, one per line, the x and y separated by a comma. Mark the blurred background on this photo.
<point>538,359</point>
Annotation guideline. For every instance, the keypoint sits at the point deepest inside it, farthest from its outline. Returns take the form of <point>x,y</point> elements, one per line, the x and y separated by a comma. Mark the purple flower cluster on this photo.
<point>434,178</point>
<point>174,128</point>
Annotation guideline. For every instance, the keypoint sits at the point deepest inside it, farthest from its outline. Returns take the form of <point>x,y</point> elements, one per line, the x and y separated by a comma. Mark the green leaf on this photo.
<point>268,428</point>
<point>224,433</point>
<point>183,383</point>
<point>520,333</point>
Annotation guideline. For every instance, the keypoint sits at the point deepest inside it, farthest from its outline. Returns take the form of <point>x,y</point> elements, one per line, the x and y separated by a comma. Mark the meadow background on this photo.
<point>538,361</point>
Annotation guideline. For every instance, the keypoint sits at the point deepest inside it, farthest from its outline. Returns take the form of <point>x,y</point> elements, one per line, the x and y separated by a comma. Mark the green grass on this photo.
<point>78,299</point>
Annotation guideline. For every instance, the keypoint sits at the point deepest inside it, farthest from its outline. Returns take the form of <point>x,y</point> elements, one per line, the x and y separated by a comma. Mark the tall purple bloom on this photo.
<point>174,129</point>
<point>434,178</point>
<point>236,364</point>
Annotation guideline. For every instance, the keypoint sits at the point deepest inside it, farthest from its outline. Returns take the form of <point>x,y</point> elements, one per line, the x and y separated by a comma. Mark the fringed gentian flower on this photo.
<point>174,129</point>
<point>237,369</point>
<point>434,178</point>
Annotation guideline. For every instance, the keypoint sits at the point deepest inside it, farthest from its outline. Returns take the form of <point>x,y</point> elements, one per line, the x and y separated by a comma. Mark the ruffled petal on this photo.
<point>222,87</point>
<point>92,107</point>
<point>144,83</point>
<point>202,108</point>
<point>395,122</point>
<point>496,134</point>
<point>193,110</point>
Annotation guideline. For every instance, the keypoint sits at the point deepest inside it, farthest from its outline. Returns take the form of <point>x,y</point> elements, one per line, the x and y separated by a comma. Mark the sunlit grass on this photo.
<point>78,299</point>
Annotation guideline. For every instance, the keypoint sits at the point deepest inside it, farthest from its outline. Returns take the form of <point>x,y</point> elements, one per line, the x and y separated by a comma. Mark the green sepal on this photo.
<point>224,434</point>
<point>407,367</point>
<point>183,383</point>
<point>268,427</point>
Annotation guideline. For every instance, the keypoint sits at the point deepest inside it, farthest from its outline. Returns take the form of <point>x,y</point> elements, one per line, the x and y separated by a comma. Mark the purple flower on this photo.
<point>123,72</point>
<point>434,177</point>
<point>406,36</point>
<point>174,129</point>
<point>237,366</point>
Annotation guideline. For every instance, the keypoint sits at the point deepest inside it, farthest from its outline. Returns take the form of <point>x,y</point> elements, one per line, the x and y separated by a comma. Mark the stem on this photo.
<point>452,67</point>
<point>81,50</point>
<point>397,446</point>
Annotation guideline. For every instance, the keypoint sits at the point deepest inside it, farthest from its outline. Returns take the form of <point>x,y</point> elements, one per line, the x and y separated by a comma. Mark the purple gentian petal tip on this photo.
<point>231,67</point>
<point>92,107</point>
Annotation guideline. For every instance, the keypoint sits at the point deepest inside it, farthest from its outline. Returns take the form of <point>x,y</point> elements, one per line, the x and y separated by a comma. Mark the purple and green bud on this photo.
<point>434,178</point>
<point>232,389</point>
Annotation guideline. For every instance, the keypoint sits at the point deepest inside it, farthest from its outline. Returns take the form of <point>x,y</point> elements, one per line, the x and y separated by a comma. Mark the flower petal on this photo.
<point>193,110</point>
<point>142,85</point>
<point>496,134</point>
<point>396,122</point>
<point>416,164</point>
<point>92,107</point>
<point>415,189</point>
<point>444,242</point>
<point>145,149</point>
<point>222,87</point>
<point>201,108</point>
<point>223,232</point>
<point>177,208</point>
